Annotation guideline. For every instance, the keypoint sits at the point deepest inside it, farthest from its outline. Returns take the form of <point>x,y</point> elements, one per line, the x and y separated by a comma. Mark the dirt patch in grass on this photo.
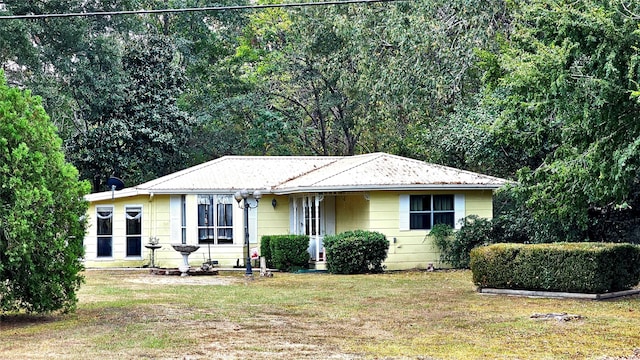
<point>204,280</point>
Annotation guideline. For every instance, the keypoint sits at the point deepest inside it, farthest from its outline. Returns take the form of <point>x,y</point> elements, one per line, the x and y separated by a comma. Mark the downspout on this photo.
<point>151,215</point>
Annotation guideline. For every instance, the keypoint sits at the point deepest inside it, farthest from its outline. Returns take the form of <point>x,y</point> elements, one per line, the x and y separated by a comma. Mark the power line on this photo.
<point>183,10</point>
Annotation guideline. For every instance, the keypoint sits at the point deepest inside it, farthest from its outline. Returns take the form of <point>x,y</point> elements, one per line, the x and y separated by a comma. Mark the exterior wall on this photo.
<point>352,212</point>
<point>414,248</point>
<point>377,211</point>
<point>273,220</point>
<point>119,259</point>
<point>479,203</point>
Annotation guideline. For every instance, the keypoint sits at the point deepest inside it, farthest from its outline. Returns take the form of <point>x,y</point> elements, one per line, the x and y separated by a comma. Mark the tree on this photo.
<point>42,210</point>
<point>134,128</point>
<point>350,79</point>
<point>562,85</point>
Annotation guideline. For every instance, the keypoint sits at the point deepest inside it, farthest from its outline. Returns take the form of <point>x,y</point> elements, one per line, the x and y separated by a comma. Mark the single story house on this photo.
<point>313,195</point>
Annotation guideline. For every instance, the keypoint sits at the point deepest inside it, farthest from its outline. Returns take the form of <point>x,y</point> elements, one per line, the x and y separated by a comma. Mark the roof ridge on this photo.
<point>198,167</point>
<point>372,156</point>
<point>337,158</point>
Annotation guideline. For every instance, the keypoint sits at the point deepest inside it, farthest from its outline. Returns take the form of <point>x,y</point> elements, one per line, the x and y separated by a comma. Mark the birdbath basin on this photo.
<point>185,250</point>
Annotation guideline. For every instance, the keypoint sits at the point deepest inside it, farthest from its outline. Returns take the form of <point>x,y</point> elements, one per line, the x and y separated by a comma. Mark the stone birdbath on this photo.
<point>185,250</point>
<point>153,248</point>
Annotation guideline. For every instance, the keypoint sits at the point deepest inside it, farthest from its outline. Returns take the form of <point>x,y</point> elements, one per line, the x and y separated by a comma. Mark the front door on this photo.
<point>312,216</point>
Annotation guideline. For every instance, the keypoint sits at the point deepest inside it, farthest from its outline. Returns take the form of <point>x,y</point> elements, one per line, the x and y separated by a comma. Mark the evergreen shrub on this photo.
<point>566,267</point>
<point>288,252</point>
<point>356,252</point>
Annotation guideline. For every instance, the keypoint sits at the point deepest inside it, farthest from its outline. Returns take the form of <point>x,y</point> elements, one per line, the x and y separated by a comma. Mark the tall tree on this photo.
<point>561,86</point>
<point>351,79</point>
<point>134,128</point>
<point>42,210</point>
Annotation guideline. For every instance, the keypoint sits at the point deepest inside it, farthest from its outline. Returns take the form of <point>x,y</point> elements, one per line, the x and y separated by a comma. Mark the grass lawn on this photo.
<point>403,315</point>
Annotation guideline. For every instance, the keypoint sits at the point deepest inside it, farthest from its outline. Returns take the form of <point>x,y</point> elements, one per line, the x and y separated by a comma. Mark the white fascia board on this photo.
<point>118,194</point>
<point>454,187</point>
<point>205,191</point>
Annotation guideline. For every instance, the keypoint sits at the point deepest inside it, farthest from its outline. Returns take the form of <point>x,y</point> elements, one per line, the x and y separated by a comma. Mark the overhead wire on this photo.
<point>183,10</point>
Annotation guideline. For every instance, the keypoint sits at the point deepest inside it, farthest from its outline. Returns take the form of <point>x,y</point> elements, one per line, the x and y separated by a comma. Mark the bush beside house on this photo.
<point>356,252</point>
<point>455,246</point>
<point>566,267</point>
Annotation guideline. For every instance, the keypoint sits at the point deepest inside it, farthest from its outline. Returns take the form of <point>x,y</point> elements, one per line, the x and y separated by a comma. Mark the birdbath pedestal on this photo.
<point>153,248</point>
<point>185,250</point>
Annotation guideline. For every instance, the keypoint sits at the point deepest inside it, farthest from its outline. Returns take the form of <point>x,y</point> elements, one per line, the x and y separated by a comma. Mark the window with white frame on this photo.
<point>104,231</point>
<point>133,216</point>
<point>215,219</point>
<point>425,211</point>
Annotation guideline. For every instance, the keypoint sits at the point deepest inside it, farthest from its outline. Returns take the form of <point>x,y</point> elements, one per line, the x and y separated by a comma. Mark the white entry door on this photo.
<point>313,215</point>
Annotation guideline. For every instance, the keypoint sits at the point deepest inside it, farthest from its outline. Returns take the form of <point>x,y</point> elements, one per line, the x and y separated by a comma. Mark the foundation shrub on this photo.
<point>288,252</point>
<point>455,246</point>
<point>356,252</point>
<point>565,267</point>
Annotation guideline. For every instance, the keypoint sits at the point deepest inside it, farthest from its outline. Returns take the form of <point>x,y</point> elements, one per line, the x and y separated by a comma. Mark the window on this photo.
<point>134,230</point>
<point>104,231</point>
<point>183,218</point>
<point>215,219</point>
<point>428,210</point>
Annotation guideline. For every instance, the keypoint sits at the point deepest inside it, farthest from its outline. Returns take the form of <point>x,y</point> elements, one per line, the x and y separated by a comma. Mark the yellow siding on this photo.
<point>119,258</point>
<point>479,203</point>
<point>352,212</point>
<point>414,248</point>
<point>273,221</point>
<point>156,218</point>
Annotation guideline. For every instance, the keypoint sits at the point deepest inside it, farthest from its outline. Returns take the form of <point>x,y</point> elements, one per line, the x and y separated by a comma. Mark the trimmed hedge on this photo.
<point>285,252</point>
<point>356,252</point>
<point>566,267</point>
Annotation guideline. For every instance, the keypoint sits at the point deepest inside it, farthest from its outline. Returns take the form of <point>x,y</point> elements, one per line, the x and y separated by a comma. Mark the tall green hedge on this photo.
<point>566,267</point>
<point>285,252</point>
<point>356,252</point>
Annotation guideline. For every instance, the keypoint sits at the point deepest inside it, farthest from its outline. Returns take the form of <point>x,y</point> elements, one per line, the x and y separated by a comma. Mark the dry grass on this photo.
<point>407,315</point>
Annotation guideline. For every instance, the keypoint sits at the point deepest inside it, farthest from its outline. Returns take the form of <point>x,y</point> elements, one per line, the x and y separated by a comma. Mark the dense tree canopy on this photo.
<point>41,210</point>
<point>561,89</point>
<point>543,92</point>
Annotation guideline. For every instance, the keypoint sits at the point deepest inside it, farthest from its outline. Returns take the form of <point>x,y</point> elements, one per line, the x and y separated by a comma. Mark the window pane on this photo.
<point>202,215</point>
<point>225,234</point>
<point>442,202</point>
<point>420,221</point>
<point>420,202</point>
<point>206,235</point>
<point>104,246</point>
<point>183,206</point>
<point>225,212</point>
<point>134,246</point>
<point>134,226</point>
<point>104,227</point>
<point>444,218</point>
